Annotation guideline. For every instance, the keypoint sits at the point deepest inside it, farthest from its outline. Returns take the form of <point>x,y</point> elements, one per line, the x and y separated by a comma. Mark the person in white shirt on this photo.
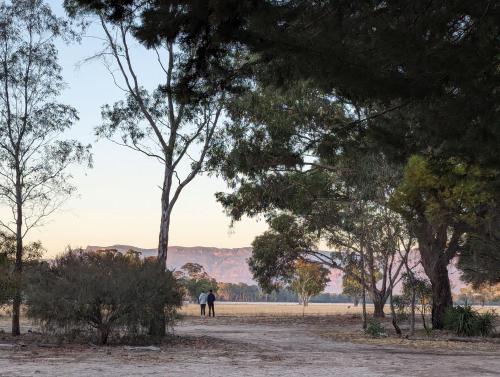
<point>203,303</point>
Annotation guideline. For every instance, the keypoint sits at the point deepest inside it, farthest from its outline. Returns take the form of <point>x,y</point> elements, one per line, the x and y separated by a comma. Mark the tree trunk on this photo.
<point>16,313</point>
<point>363,285</point>
<point>441,294</point>
<point>411,277</point>
<point>378,304</point>
<point>355,300</point>
<point>432,248</point>
<point>104,335</point>
<point>164,233</point>
<point>394,316</point>
<point>18,267</point>
<point>158,323</point>
<point>412,303</point>
<point>166,211</point>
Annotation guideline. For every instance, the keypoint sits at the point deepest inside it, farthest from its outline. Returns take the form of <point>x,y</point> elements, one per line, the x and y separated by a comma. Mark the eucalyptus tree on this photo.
<point>309,279</point>
<point>440,105</point>
<point>451,207</point>
<point>34,156</point>
<point>278,163</point>
<point>365,238</point>
<point>375,52</point>
<point>178,121</point>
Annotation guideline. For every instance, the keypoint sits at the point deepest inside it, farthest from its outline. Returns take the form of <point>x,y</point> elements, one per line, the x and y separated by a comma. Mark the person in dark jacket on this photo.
<point>210,302</point>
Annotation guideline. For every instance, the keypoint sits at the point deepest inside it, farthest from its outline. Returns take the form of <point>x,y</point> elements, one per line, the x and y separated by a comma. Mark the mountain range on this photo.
<point>230,265</point>
<point>227,265</point>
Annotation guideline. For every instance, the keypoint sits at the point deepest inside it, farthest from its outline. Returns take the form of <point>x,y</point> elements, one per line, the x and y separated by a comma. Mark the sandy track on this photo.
<point>239,347</point>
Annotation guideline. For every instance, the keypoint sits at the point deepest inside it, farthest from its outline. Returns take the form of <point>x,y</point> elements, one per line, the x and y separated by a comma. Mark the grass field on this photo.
<point>257,309</point>
<point>290,309</point>
<point>275,309</point>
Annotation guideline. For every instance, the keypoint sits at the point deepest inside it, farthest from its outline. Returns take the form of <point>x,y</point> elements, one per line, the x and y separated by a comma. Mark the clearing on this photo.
<point>257,345</point>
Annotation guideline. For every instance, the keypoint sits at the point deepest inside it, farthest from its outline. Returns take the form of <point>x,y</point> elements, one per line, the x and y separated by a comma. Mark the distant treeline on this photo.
<point>241,292</point>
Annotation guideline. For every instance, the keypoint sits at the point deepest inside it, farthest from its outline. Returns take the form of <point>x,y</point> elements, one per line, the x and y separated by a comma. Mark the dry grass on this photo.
<point>290,309</point>
<point>274,309</point>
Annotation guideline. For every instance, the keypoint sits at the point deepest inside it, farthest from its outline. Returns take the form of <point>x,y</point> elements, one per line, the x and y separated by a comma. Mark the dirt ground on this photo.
<point>256,346</point>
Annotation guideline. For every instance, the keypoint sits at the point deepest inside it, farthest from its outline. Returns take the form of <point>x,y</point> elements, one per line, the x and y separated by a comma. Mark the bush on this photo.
<point>375,329</point>
<point>485,325</point>
<point>464,321</point>
<point>8,282</point>
<point>401,306</point>
<point>101,291</point>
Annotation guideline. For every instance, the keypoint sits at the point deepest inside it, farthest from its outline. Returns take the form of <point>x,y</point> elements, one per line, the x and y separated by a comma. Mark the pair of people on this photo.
<point>205,299</point>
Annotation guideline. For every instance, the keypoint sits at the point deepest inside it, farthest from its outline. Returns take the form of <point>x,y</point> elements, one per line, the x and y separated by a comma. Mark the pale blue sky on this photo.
<point>118,201</point>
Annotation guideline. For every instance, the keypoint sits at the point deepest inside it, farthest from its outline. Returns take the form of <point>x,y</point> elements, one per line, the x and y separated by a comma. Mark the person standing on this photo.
<point>203,303</point>
<point>211,306</point>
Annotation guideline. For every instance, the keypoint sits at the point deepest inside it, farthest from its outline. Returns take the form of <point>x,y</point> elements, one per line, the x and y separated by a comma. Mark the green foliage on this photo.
<point>486,323</point>
<point>202,51</point>
<point>375,329</point>
<point>34,150</point>
<point>276,127</point>
<point>351,285</point>
<point>194,279</point>
<point>275,253</point>
<point>479,257</point>
<point>7,249</point>
<point>35,156</point>
<point>239,292</point>
<point>102,291</point>
<point>422,287</point>
<point>465,321</point>
<point>450,192</point>
<point>454,88</point>
<point>401,306</point>
<point>8,282</point>
<point>445,95</point>
<point>446,202</point>
<point>397,98</point>
<point>309,280</point>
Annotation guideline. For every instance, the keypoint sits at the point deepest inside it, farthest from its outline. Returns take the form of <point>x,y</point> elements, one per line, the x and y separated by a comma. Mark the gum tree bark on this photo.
<point>436,251</point>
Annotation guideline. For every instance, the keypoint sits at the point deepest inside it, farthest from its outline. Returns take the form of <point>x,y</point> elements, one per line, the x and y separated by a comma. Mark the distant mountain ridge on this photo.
<point>227,265</point>
<point>231,266</point>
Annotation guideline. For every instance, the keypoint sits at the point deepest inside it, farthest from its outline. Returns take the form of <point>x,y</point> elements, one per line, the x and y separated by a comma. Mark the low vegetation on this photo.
<point>375,329</point>
<point>107,293</point>
<point>465,321</point>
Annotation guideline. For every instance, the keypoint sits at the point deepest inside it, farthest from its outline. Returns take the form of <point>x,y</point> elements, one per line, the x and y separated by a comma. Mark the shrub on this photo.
<point>423,295</point>
<point>485,324</point>
<point>101,291</point>
<point>401,306</point>
<point>375,329</point>
<point>460,320</point>
<point>8,282</point>
<point>464,321</point>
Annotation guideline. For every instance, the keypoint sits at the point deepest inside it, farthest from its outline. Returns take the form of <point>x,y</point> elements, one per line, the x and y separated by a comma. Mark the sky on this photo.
<point>118,200</point>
